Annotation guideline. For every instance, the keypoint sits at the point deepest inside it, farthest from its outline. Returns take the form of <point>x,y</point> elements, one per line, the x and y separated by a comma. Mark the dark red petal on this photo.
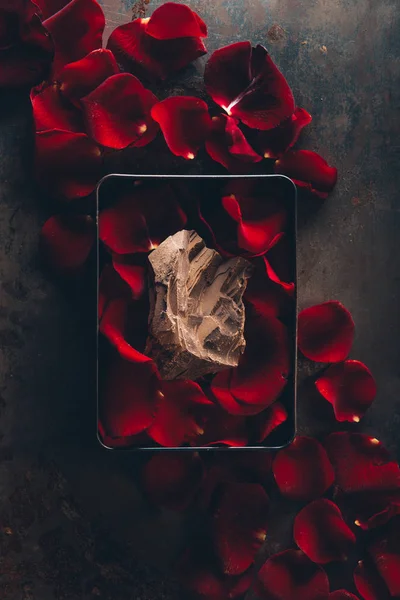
<point>198,574</point>
<point>302,470</point>
<point>368,583</point>
<point>180,414</point>
<point>52,111</point>
<point>67,164</point>
<point>130,393</point>
<point>81,21</point>
<point>245,82</point>
<point>66,241</point>
<point>133,275</point>
<point>185,123</point>
<point>342,595</point>
<point>350,388</point>
<point>326,332</point>
<point>111,286</point>
<point>385,553</point>
<point>373,509</point>
<point>83,76</point>
<point>117,112</point>
<point>26,47</point>
<point>113,326</point>
<point>290,575</point>
<point>228,146</point>
<point>144,55</point>
<point>267,297</point>
<point>320,531</point>
<point>141,220</point>
<point>50,7</point>
<point>172,20</point>
<point>308,169</point>
<point>116,442</point>
<point>222,429</point>
<point>263,370</point>
<point>362,463</point>
<point>172,480</point>
<point>270,419</point>
<point>278,140</point>
<point>279,263</point>
<point>239,525</point>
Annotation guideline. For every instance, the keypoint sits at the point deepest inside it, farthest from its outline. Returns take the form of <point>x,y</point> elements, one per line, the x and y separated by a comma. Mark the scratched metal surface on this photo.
<point>72,524</point>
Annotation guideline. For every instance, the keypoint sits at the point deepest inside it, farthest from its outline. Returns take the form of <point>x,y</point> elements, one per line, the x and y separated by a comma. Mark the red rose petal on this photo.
<point>52,111</point>
<point>222,429</point>
<point>133,275</point>
<point>198,574</point>
<point>172,20</point>
<point>179,417</point>
<point>373,509</point>
<point>290,575</point>
<point>309,170</point>
<point>278,140</point>
<point>361,463</point>
<point>228,146</point>
<point>342,595</point>
<point>349,387</point>
<point>270,419</point>
<point>27,49</point>
<point>130,393</point>
<point>138,222</point>
<point>111,286</point>
<point>321,533</point>
<point>368,583</point>
<point>263,370</point>
<point>185,123</point>
<point>279,264</point>
<point>144,55</point>
<point>268,298</point>
<point>385,553</point>
<point>116,442</point>
<point>326,332</point>
<point>67,164</point>
<point>117,113</point>
<point>66,241</point>
<point>85,75</point>
<point>50,7</point>
<point>302,470</point>
<point>245,82</point>
<point>113,326</point>
<point>239,525</point>
<point>80,20</point>
<point>172,480</point>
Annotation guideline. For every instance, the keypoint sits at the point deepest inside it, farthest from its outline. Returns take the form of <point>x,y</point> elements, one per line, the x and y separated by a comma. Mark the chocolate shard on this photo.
<point>197,314</point>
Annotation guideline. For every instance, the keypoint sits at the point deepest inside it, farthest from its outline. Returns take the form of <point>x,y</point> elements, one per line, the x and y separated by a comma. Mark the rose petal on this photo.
<point>117,113</point>
<point>144,55</point>
<point>228,146</point>
<point>239,525</point>
<point>133,275</point>
<point>361,463</point>
<point>368,583</point>
<point>279,264</point>
<point>309,170</point>
<point>385,553</point>
<point>114,326</point>
<point>80,20</point>
<point>302,471</point>
<point>172,480</point>
<point>245,82</point>
<point>278,140</point>
<point>270,419</point>
<point>129,396</point>
<point>50,7</point>
<point>111,286</point>
<point>173,20</point>
<point>221,428</point>
<point>290,575</point>
<point>263,370</point>
<point>349,387</point>
<point>52,111</point>
<point>326,332</point>
<point>138,222</point>
<point>66,241</point>
<point>198,574</point>
<point>342,595</point>
<point>81,77</point>
<point>185,123</point>
<point>372,509</point>
<point>67,164</point>
<point>179,417</point>
<point>321,533</point>
<point>27,50</point>
<point>267,297</point>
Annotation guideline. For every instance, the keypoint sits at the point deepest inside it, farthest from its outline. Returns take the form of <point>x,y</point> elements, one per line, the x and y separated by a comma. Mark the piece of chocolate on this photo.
<point>197,314</point>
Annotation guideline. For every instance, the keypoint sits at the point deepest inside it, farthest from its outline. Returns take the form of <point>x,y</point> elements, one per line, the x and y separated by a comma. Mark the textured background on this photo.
<point>72,525</point>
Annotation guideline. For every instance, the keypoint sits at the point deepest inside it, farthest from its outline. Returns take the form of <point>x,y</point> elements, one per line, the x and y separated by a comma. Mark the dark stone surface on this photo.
<point>72,524</point>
